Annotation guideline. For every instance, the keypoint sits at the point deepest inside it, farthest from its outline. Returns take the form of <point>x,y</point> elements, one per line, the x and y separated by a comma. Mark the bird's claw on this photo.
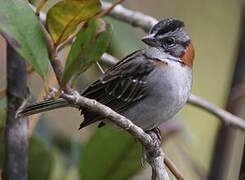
<point>157,138</point>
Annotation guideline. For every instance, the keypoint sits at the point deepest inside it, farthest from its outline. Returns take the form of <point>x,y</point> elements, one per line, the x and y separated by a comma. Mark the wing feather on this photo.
<point>120,87</point>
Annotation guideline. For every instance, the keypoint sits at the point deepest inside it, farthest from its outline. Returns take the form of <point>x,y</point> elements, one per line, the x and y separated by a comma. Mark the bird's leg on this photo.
<point>156,136</point>
<point>158,133</point>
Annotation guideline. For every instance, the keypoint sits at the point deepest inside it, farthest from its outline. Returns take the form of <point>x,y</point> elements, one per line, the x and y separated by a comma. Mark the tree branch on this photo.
<point>173,168</point>
<point>108,59</point>
<point>153,149</point>
<point>133,18</point>
<point>225,116</point>
<point>16,128</point>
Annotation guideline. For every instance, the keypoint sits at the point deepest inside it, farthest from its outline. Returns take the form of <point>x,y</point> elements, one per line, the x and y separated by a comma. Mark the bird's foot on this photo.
<point>155,135</point>
<point>157,138</point>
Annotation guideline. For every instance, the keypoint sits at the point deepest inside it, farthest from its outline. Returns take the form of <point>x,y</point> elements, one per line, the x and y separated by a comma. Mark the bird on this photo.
<point>149,86</point>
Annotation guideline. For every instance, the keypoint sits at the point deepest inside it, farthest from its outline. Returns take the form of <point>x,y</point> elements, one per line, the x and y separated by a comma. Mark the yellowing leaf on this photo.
<point>64,16</point>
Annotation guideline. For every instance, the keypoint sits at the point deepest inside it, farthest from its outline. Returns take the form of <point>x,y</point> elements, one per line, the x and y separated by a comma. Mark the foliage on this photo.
<point>20,27</point>
<point>64,16</point>
<point>90,44</point>
<point>108,154</point>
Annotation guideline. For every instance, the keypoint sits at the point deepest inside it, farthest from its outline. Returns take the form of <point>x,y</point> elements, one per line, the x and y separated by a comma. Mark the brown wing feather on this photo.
<point>120,87</point>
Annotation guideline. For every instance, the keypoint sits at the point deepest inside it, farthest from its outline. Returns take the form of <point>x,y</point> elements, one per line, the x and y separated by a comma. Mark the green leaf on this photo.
<point>21,28</point>
<point>40,160</point>
<point>91,42</point>
<point>64,16</point>
<point>110,154</point>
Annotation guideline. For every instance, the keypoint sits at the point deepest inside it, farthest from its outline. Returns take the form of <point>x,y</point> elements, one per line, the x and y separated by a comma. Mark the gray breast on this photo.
<point>167,91</point>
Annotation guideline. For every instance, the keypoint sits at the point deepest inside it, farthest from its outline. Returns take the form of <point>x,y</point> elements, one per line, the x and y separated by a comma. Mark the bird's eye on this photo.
<point>169,41</point>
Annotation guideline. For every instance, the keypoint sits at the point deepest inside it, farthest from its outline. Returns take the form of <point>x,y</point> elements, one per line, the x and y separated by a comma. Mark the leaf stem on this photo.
<point>174,170</point>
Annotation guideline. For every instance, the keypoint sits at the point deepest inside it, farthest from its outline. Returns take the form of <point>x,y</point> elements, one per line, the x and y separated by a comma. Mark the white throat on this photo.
<point>157,53</point>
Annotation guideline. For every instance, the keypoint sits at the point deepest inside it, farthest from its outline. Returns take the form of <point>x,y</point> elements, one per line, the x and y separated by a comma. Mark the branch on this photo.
<point>52,51</point>
<point>16,128</point>
<point>225,116</point>
<point>107,10</point>
<point>154,152</point>
<point>108,59</point>
<point>134,18</point>
<point>173,168</point>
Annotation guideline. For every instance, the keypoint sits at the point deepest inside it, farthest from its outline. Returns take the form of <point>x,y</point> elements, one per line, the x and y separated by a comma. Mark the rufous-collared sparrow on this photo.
<point>148,86</point>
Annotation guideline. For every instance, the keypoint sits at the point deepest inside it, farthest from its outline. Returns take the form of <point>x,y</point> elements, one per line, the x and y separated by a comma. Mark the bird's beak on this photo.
<point>150,40</point>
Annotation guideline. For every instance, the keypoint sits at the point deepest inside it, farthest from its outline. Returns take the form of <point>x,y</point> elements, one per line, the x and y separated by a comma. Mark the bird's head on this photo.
<point>169,36</point>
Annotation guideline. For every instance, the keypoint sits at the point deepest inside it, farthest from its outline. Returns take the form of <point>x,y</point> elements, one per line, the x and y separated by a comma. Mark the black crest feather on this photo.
<point>167,25</point>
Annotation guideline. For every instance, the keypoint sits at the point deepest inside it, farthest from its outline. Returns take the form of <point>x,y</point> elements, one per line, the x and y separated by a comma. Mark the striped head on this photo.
<point>169,36</point>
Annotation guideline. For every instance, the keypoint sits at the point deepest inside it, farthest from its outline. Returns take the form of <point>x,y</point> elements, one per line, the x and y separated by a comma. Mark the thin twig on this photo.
<point>170,165</point>
<point>225,116</point>
<point>196,167</point>
<point>106,11</point>
<point>131,17</point>
<point>52,47</point>
<point>48,39</point>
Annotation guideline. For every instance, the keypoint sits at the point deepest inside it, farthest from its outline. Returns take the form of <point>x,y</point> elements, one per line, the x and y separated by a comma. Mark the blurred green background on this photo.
<point>59,151</point>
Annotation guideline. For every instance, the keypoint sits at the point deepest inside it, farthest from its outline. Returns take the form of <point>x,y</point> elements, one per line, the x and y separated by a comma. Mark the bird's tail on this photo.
<point>45,106</point>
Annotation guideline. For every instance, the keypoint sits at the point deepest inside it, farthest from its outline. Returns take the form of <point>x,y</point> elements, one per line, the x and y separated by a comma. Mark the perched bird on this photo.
<point>148,86</point>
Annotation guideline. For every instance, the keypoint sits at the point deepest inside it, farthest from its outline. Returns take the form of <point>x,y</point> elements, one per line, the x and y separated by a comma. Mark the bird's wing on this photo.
<point>120,87</point>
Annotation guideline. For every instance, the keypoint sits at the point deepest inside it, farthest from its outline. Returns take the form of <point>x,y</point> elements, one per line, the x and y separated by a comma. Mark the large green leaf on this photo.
<point>110,154</point>
<point>20,26</point>
<point>64,16</point>
<point>92,41</point>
